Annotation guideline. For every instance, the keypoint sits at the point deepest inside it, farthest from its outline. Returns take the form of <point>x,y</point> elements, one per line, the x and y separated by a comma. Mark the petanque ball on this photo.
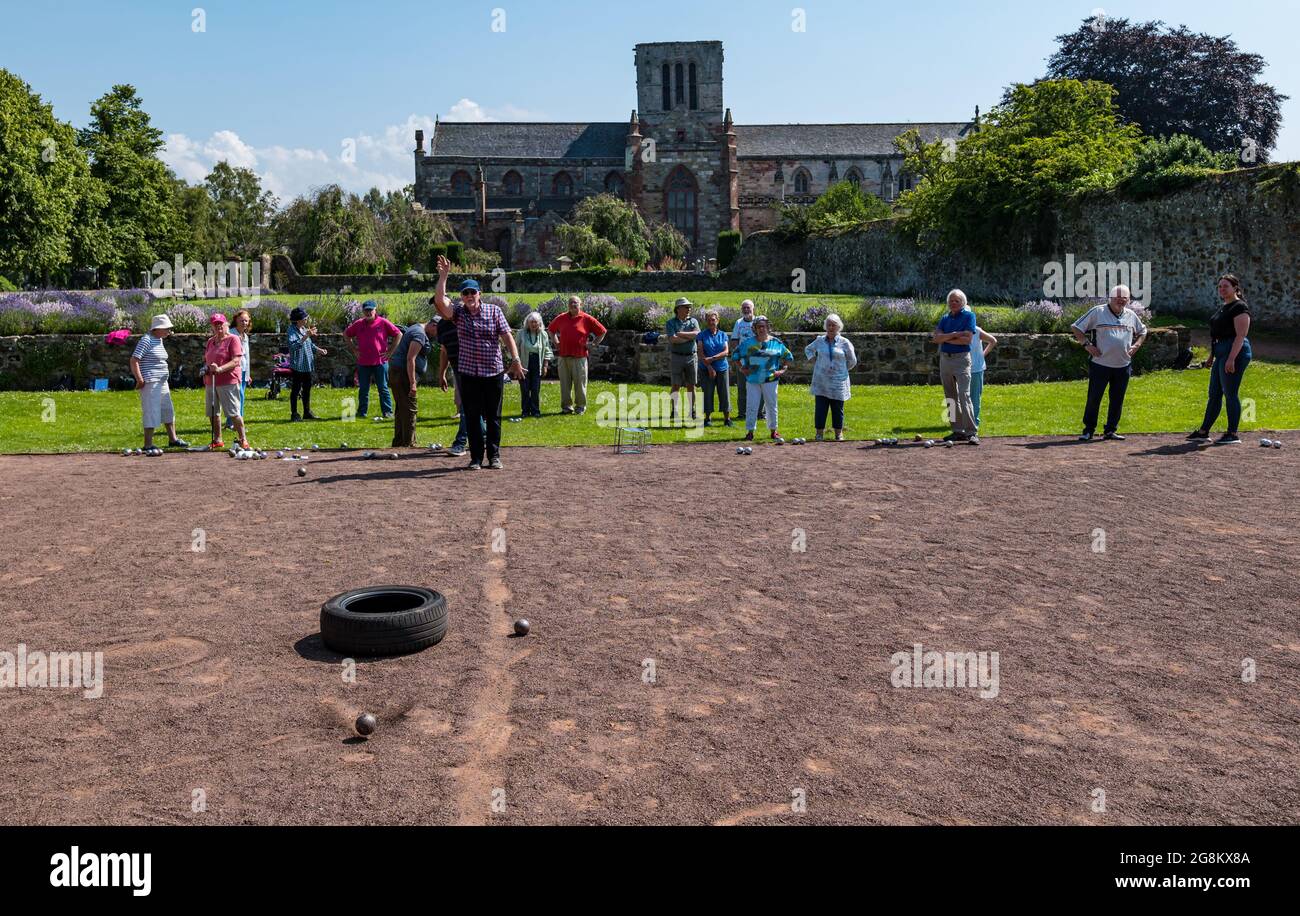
<point>929,443</point>
<point>366,723</point>
<point>740,450</point>
<point>1265,443</point>
<point>522,626</point>
<point>302,472</point>
<point>1277,443</point>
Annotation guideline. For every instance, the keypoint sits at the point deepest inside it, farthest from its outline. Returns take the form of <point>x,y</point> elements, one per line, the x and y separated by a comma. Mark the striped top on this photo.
<point>153,358</point>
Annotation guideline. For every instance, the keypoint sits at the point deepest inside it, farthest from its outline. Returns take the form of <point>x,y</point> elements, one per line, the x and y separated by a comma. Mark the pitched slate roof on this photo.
<point>529,140</point>
<point>810,141</point>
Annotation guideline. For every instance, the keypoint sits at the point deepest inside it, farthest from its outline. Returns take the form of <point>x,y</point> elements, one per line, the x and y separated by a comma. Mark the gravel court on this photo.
<point>686,665</point>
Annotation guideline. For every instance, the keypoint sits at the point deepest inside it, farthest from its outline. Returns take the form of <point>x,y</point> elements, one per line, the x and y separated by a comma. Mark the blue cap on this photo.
<point>469,284</point>
<point>369,305</point>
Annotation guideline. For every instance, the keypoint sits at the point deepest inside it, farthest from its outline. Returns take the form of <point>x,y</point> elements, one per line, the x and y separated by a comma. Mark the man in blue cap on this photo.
<point>481,332</point>
<point>373,339</point>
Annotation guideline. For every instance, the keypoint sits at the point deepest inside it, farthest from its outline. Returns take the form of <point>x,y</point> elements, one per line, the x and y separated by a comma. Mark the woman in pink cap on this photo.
<point>223,359</point>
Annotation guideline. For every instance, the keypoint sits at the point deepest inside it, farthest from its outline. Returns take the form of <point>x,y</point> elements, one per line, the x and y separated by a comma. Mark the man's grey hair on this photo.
<point>573,299</point>
<point>1116,291</point>
<point>959,294</point>
<point>746,302</point>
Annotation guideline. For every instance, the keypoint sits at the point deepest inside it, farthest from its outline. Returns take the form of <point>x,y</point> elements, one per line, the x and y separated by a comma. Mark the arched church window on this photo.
<point>681,203</point>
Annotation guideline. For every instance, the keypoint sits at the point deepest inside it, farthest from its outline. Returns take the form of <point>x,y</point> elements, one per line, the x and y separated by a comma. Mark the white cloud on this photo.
<point>469,110</point>
<point>357,163</point>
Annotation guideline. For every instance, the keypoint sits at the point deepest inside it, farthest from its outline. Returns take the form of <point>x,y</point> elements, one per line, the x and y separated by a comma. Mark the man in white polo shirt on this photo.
<point>1111,334</point>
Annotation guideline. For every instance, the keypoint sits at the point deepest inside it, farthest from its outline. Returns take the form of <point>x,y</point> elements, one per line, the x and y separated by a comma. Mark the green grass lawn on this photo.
<point>1167,401</point>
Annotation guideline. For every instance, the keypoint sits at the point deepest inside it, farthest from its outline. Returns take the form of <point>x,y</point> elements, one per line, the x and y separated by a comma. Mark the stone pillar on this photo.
<point>731,169</point>
<point>635,179</point>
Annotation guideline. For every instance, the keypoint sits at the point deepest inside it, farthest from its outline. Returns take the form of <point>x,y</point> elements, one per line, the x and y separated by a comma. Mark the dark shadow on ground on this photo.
<point>1052,443</point>
<point>313,649</point>
<point>1174,448</point>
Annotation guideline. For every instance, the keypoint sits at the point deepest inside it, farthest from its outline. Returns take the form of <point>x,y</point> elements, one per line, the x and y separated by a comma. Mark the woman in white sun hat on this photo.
<point>149,367</point>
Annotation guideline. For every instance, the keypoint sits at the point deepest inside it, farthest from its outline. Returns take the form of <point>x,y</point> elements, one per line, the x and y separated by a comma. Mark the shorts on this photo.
<point>225,397</point>
<point>156,404</point>
<point>683,369</point>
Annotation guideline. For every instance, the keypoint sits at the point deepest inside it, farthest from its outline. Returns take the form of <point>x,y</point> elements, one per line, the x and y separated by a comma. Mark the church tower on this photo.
<point>684,177</point>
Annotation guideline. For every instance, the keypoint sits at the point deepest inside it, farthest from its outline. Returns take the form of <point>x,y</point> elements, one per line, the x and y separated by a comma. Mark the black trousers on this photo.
<point>480,399</point>
<point>823,404</point>
<point>301,386</point>
<point>1099,377</point>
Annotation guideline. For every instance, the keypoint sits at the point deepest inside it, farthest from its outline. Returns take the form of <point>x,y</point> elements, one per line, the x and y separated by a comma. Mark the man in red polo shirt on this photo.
<point>570,334</point>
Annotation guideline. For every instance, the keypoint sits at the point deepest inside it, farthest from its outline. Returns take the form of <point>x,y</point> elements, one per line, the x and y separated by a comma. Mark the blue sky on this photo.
<point>281,85</point>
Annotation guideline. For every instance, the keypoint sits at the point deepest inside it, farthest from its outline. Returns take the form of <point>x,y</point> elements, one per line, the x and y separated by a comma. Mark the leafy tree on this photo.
<point>841,206</point>
<point>1174,81</point>
<point>666,243</point>
<point>330,226</point>
<point>1166,165</point>
<point>241,210</point>
<point>45,185</point>
<point>611,220</point>
<point>1043,146</point>
<point>406,231</point>
<point>122,147</point>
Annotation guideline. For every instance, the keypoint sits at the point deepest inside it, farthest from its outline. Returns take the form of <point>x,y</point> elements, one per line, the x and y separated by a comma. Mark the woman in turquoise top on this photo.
<point>763,359</point>
<point>712,344</point>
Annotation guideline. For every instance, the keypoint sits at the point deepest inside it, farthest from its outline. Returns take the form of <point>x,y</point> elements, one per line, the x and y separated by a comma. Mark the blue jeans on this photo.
<point>379,375</point>
<point>976,392</point>
<point>1226,384</point>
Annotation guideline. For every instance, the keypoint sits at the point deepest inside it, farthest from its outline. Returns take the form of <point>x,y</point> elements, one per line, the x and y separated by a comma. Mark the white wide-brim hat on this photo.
<point>160,321</point>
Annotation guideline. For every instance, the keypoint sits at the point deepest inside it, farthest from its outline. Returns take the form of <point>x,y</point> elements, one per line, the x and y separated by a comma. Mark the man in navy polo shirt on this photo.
<point>1111,334</point>
<point>954,335</point>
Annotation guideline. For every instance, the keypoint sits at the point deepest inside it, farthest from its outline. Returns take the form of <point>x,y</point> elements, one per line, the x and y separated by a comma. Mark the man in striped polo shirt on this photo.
<point>481,332</point>
<point>1111,334</point>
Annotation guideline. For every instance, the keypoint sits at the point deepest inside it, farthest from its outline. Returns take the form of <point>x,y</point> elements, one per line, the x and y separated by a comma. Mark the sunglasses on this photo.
<point>469,292</point>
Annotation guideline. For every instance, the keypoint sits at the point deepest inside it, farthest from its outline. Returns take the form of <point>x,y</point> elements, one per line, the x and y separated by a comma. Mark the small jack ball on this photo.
<point>366,723</point>
<point>302,472</point>
<point>522,626</point>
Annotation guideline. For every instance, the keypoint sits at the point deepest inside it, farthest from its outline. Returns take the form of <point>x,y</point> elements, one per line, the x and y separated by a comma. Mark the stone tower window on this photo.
<point>614,184</point>
<point>513,183</point>
<point>680,96</point>
<point>681,203</point>
<point>695,94</point>
<point>667,87</point>
<point>462,185</point>
<point>854,177</point>
<point>801,181</point>
<point>562,185</point>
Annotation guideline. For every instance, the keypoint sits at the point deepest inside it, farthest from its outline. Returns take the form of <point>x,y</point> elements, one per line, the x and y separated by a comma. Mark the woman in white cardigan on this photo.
<point>833,358</point>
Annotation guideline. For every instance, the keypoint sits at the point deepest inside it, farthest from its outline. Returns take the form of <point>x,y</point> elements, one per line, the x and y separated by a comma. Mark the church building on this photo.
<point>679,158</point>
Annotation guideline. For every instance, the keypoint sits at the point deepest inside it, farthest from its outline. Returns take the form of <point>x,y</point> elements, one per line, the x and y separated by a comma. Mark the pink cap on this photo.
<point>218,318</point>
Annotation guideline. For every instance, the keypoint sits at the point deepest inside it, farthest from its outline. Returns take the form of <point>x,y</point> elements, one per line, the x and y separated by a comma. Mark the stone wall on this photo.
<point>45,362</point>
<point>1226,223</point>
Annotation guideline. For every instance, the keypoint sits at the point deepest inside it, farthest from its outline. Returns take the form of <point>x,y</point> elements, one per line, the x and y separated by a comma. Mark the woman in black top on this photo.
<point>1230,352</point>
